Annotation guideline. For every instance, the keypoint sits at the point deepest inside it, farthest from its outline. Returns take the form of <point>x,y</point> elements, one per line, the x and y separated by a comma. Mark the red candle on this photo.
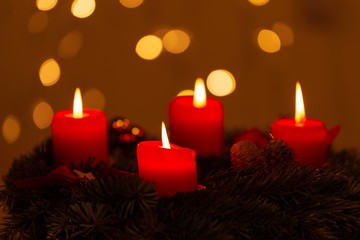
<point>78,135</point>
<point>197,122</point>
<point>170,167</point>
<point>309,138</point>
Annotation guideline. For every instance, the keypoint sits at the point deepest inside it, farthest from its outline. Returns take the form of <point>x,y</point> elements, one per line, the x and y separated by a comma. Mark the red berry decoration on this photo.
<point>123,134</point>
<point>254,135</point>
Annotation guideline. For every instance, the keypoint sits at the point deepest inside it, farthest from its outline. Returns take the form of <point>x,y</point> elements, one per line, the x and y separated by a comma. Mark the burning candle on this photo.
<point>197,122</point>
<point>309,138</point>
<point>78,134</point>
<point>170,167</point>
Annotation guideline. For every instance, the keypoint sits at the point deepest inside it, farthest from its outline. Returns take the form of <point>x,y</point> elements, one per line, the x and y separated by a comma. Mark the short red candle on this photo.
<point>198,128</point>
<point>309,141</point>
<point>172,170</point>
<point>307,137</point>
<point>75,140</point>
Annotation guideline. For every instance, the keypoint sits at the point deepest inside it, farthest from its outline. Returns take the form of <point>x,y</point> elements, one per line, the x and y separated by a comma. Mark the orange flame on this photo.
<point>199,94</point>
<point>77,107</point>
<point>299,106</point>
<point>164,137</point>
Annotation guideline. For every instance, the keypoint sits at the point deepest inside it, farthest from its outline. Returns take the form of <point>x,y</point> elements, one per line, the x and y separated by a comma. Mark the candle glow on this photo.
<point>164,137</point>
<point>79,134</point>
<point>309,138</point>
<point>196,122</point>
<point>199,94</point>
<point>77,106</point>
<point>299,106</point>
<point>170,167</point>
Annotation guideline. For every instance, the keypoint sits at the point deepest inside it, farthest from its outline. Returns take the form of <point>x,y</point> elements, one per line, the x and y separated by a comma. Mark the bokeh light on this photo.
<point>70,44</point>
<point>149,47</point>
<point>38,22</point>
<point>258,2</point>
<point>11,129</point>
<point>176,41</point>
<point>284,32</point>
<point>131,3</point>
<point>83,8</point>
<point>135,130</point>
<point>186,92</point>
<point>94,98</point>
<point>221,82</point>
<point>45,5</point>
<point>269,41</point>
<point>49,72</point>
<point>121,123</point>
<point>42,115</point>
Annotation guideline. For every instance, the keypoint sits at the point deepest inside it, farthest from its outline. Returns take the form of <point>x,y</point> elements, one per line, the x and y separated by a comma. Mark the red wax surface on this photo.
<point>309,142</point>
<point>172,170</point>
<point>201,129</point>
<point>75,140</point>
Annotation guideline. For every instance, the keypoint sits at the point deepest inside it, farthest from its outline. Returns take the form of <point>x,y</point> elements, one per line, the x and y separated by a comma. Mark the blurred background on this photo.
<point>131,57</point>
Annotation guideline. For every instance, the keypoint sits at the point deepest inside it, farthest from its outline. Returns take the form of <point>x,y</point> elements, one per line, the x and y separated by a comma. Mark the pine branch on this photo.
<point>269,196</point>
<point>26,223</point>
<point>84,220</point>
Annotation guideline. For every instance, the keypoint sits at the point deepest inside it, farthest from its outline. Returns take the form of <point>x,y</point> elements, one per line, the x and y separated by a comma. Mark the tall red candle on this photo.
<point>170,167</point>
<point>309,138</point>
<point>78,135</point>
<point>197,122</point>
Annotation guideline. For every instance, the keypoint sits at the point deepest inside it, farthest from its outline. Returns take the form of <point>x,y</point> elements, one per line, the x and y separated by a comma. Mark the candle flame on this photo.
<point>77,107</point>
<point>164,137</point>
<point>199,94</point>
<point>299,106</point>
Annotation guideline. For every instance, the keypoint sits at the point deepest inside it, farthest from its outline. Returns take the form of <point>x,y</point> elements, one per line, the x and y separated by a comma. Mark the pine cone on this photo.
<point>277,152</point>
<point>245,155</point>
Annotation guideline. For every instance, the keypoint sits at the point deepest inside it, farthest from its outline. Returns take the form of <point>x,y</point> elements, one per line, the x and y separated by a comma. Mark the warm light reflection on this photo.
<point>258,2</point>
<point>299,106</point>
<point>135,131</point>
<point>70,44</point>
<point>164,137</point>
<point>176,41</point>
<point>221,82</point>
<point>149,47</point>
<point>77,107</point>
<point>83,8</point>
<point>45,5</point>
<point>285,33</point>
<point>199,94</point>
<point>38,22</point>
<point>269,41</point>
<point>94,98</point>
<point>42,115</point>
<point>131,3</point>
<point>49,72</point>
<point>186,92</point>
<point>124,124</point>
<point>11,129</point>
